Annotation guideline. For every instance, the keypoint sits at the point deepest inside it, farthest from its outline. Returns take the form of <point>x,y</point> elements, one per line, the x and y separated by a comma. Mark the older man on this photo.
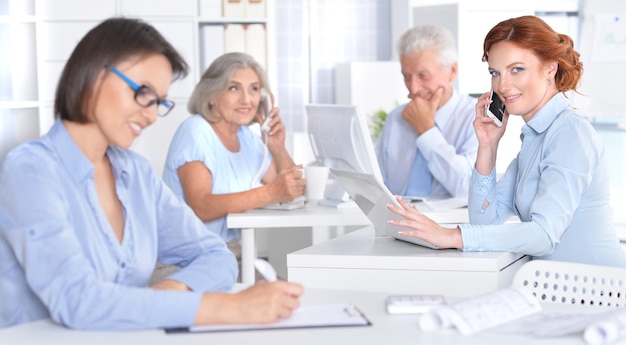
<point>427,146</point>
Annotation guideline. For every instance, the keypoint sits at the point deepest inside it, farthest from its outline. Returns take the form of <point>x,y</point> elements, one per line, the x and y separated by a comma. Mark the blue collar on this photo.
<point>548,113</point>
<point>72,158</point>
<point>69,154</point>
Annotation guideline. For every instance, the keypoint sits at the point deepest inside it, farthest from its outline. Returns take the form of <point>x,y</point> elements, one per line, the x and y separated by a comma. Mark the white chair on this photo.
<point>573,283</point>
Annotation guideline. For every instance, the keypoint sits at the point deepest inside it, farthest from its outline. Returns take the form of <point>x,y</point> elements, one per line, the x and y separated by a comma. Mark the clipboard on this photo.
<point>313,316</point>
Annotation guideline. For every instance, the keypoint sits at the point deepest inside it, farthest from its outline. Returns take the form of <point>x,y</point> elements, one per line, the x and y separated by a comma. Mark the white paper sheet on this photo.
<point>325,315</point>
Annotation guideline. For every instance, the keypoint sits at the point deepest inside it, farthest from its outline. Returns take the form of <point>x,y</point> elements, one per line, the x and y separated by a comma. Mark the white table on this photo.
<point>315,216</point>
<point>385,329</point>
<point>363,261</point>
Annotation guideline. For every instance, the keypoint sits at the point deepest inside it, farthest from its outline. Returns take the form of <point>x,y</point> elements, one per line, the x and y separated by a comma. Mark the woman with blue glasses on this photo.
<point>83,220</point>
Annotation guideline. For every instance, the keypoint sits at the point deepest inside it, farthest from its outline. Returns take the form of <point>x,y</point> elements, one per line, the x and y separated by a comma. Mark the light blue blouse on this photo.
<point>449,148</point>
<point>232,172</point>
<point>59,257</point>
<point>559,188</point>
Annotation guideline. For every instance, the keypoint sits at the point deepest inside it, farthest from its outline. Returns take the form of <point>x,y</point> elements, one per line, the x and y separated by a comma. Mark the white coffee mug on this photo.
<point>316,179</point>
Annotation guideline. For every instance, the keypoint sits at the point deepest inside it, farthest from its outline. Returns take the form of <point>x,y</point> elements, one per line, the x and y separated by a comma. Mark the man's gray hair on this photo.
<point>421,38</point>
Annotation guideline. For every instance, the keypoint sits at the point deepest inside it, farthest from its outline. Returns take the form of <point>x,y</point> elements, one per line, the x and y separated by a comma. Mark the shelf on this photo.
<point>18,104</point>
<point>232,20</point>
<point>611,122</point>
<point>159,18</point>
<point>17,19</point>
<point>604,126</point>
<point>57,26</point>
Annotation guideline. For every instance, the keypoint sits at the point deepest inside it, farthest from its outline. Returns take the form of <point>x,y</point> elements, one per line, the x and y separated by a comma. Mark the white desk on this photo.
<point>385,329</point>
<point>363,261</point>
<point>317,217</point>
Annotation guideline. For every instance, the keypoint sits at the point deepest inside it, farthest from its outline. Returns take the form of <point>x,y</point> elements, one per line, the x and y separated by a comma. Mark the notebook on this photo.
<point>372,197</point>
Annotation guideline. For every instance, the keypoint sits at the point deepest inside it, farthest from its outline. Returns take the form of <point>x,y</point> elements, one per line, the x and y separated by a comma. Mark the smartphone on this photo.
<point>265,105</point>
<point>495,110</point>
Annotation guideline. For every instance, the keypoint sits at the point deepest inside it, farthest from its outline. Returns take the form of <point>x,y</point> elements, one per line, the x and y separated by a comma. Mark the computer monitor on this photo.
<point>341,140</point>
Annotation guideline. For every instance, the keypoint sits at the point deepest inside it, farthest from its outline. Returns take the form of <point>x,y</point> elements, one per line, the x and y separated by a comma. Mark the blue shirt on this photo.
<point>559,188</point>
<point>232,172</point>
<point>59,257</point>
<point>449,148</point>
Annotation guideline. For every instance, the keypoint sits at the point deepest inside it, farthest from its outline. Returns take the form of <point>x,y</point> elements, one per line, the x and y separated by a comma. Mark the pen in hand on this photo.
<point>265,268</point>
<point>269,273</point>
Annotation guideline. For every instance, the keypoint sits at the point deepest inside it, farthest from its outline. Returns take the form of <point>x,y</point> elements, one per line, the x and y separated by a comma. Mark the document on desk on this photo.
<point>482,312</point>
<point>313,316</point>
<point>602,327</point>
<point>515,311</point>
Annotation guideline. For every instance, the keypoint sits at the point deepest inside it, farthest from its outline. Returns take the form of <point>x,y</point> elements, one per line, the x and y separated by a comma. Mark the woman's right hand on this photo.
<point>487,132</point>
<point>262,303</point>
<point>488,135</point>
<point>416,224</point>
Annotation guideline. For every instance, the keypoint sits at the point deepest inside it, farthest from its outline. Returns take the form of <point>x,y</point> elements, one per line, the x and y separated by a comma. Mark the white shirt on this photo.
<point>449,148</point>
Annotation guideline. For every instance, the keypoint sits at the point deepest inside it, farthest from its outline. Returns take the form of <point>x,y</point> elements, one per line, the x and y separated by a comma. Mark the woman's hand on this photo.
<point>487,132</point>
<point>425,228</point>
<point>276,136</point>
<point>288,185</point>
<point>488,135</point>
<point>262,303</point>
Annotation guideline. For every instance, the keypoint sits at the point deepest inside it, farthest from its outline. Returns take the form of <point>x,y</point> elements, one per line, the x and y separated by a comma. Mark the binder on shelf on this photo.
<point>255,43</point>
<point>233,8</point>
<point>210,9</point>
<point>254,8</point>
<point>212,37</point>
<point>234,38</point>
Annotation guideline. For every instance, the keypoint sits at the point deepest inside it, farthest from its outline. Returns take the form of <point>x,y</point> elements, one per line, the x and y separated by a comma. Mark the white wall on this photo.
<point>370,85</point>
<point>603,53</point>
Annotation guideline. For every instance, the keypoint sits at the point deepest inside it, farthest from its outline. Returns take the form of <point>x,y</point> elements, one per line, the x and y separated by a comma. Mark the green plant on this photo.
<point>378,120</point>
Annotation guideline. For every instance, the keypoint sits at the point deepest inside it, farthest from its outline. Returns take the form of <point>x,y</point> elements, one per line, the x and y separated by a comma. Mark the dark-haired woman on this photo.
<point>83,220</point>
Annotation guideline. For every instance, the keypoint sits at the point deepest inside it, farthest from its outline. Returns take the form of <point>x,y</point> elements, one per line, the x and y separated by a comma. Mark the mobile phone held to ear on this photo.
<point>264,108</point>
<point>495,110</point>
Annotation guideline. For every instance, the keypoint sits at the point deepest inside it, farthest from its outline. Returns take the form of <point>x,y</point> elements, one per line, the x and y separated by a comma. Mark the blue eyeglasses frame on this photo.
<point>164,106</point>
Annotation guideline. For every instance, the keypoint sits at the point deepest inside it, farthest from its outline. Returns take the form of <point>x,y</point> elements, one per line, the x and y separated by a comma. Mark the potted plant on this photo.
<point>378,120</point>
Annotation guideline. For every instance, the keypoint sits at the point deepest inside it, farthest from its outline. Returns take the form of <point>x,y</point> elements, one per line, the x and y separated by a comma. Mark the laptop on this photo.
<point>372,197</point>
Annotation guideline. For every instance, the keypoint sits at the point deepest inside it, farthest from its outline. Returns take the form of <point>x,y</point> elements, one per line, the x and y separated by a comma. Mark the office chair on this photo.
<point>573,283</point>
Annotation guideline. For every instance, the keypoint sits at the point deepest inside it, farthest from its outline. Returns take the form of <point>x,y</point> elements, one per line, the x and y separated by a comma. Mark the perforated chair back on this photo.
<point>573,283</point>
